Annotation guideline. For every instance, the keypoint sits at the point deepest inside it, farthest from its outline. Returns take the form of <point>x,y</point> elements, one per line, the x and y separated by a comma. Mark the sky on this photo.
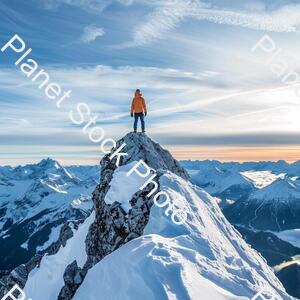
<point>211,94</point>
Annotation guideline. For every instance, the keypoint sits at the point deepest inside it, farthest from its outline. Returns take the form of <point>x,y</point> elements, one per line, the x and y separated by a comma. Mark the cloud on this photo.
<point>14,121</point>
<point>90,5</point>
<point>184,108</point>
<point>165,17</point>
<point>94,6</point>
<point>169,14</point>
<point>245,139</point>
<point>91,32</point>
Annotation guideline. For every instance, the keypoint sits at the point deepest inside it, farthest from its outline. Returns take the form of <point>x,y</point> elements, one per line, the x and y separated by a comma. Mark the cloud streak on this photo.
<point>94,6</point>
<point>169,14</point>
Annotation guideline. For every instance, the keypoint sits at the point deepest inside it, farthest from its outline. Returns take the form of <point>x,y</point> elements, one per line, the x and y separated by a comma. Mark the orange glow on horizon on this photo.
<point>92,155</point>
<point>239,154</point>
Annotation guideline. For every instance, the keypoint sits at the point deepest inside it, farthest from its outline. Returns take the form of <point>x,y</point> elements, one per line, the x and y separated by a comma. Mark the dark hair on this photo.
<point>138,91</point>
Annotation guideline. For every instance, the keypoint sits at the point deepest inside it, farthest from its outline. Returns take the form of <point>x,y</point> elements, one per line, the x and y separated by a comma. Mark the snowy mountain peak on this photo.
<point>205,258</point>
<point>49,163</point>
<point>45,168</point>
<point>282,188</point>
<point>141,147</point>
<point>48,167</point>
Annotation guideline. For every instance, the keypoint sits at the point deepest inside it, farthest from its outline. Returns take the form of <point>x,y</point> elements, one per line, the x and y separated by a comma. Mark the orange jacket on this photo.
<point>138,104</point>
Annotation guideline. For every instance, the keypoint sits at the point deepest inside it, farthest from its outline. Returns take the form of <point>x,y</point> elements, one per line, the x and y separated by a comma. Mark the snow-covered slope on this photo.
<point>203,259</point>
<point>272,204</point>
<point>134,251</point>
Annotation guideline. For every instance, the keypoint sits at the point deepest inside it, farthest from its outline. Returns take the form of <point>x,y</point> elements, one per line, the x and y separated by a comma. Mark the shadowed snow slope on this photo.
<point>203,259</point>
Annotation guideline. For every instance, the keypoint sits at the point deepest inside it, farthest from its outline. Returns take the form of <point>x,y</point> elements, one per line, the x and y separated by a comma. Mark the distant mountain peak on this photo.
<point>49,162</point>
<point>281,188</point>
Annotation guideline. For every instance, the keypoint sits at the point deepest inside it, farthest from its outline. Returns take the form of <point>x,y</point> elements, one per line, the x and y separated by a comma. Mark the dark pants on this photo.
<point>136,118</point>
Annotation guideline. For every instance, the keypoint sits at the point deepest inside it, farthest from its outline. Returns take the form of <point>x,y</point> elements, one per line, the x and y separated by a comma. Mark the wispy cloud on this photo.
<point>89,5</point>
<point>91,32</point>
<point>183,106</point>
<point>95,5</point>
<point>195,101</point>
<point>167,15</point>
<point>14,121</point>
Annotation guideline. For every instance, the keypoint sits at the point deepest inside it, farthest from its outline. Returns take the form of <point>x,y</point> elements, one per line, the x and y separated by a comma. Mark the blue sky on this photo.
<point>192,59</point>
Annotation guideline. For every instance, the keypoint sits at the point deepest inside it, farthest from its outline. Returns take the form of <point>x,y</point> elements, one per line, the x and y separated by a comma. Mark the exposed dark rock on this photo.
<point>72,279</point>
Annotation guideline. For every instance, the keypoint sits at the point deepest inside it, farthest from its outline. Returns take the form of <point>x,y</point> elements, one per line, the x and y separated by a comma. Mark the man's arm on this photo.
<point>132,109</point>
<point>144,106</point>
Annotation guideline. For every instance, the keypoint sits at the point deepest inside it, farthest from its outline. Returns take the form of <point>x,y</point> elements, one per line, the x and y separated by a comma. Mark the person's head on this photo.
<point>138,93</point>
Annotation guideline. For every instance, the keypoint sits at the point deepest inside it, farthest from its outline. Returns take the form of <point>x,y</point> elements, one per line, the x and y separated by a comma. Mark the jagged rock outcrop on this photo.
<point>73,277</point>
<point>113,227</point>
<point>103,239</point>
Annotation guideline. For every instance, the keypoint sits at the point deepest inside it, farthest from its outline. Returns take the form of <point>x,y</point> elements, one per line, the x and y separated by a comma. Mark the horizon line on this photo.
<point>224,154</point>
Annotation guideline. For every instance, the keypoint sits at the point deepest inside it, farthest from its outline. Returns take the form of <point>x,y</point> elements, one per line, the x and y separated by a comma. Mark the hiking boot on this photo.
<point>143,131</point>
<point>134,130</point>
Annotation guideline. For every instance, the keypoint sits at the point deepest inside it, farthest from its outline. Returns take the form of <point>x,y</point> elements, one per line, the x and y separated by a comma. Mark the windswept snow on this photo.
<point>205,258</point>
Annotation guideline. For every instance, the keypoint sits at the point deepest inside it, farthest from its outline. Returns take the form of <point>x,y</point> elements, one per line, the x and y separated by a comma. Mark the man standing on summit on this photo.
<point>138,110</point>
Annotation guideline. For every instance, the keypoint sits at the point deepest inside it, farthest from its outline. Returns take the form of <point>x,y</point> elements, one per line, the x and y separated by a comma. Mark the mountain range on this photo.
<point>263,195</point>
<point>117,243</point>
<point>35,202</point>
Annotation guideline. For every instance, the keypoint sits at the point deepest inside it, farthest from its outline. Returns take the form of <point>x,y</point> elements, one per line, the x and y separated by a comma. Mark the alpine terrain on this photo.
<point>35,203</point>
<point>129,247</point>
